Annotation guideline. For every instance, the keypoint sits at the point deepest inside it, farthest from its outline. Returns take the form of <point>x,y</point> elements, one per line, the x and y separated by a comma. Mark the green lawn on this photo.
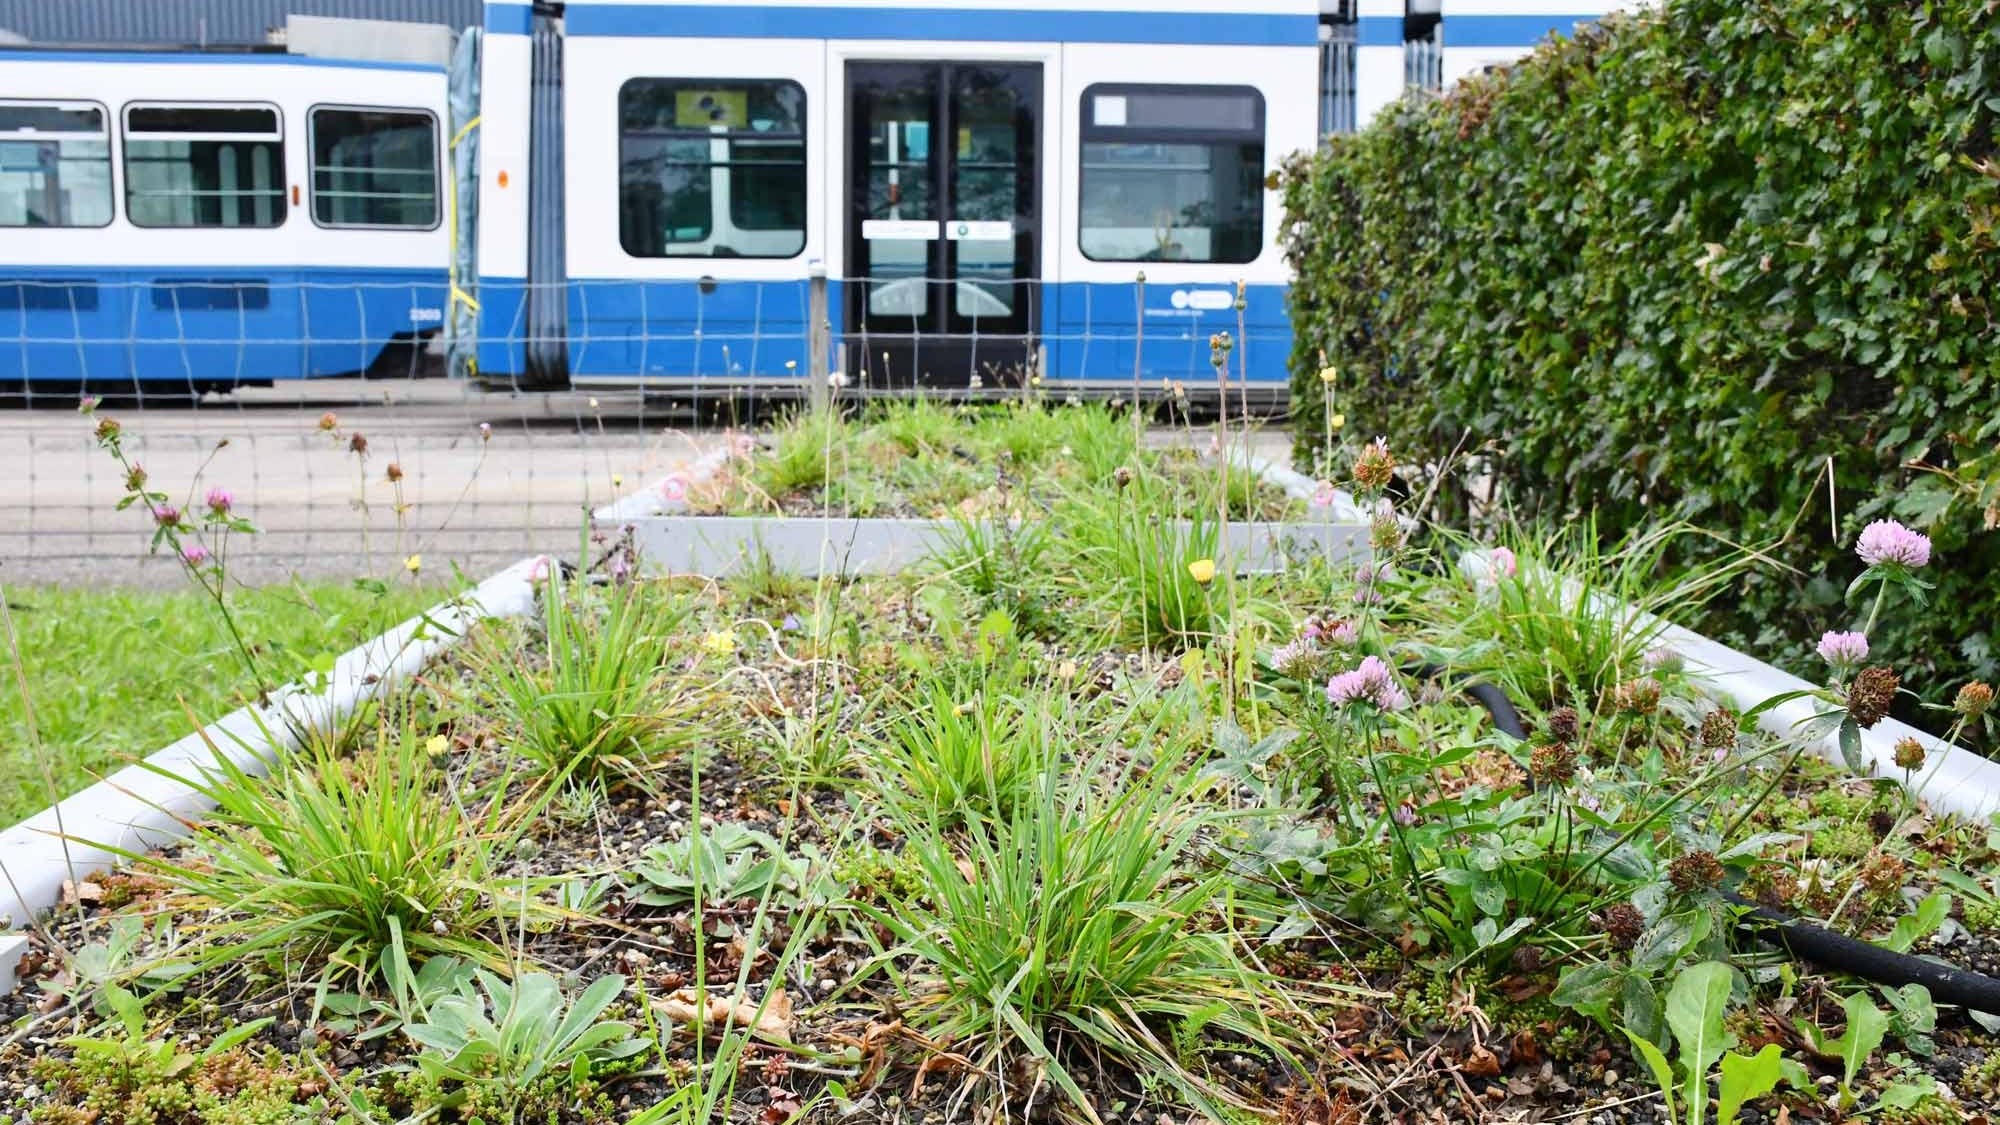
<point>108,671</point>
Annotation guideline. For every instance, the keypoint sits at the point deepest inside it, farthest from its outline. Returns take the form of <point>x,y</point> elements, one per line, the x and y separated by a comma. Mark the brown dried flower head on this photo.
<point>394,472</point>
<point>1882,874</point>
<point>1695,871</point>
<point>1909,754</point>
<point>1376,466</point>
<point>1637,697</point>
<point>357,444</point>
<point>1562,724</point>
<point>1973,699</point>
<point>1623,924</point>
<point>1553,764</point>
<point>1873,693</point>
<point>1718,729</point>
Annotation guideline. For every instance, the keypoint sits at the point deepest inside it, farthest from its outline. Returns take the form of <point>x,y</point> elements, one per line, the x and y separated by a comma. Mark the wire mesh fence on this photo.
<point>359,444</point>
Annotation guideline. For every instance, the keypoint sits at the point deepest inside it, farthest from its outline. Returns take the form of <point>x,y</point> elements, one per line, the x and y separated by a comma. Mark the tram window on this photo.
<point>204,166</point>
<point>711,168</point>
<point>55,165</point>
<point>1172,174</point>
<point>374,168</point>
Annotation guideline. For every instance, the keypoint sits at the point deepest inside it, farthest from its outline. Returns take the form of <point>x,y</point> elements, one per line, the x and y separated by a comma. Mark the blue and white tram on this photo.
<point>983,184</point>
<point>196,220</point>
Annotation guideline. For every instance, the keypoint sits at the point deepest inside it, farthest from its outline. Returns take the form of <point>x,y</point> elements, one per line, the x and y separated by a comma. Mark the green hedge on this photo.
<point>1675,266</point>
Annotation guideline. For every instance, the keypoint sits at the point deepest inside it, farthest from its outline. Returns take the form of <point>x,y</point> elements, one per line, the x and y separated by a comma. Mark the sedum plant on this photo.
<point>501,1044</point>
<point>713,867</point>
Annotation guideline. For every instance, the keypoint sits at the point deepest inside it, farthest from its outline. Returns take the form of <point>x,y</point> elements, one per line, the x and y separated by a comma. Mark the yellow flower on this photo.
<point>1337,421</point>
<point>1202,571</point>
<point>617,480</point>
<point>1328,374</point>
<point>720,641</point>
<point>414,563</point>
<point>436,744</point>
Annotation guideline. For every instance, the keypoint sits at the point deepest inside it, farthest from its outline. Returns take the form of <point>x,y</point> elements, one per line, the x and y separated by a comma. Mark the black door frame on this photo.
<point>947,352</point>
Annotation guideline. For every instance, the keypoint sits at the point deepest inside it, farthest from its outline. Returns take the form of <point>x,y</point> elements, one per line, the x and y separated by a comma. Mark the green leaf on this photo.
<point>1744,1078</point>
<point>1589,989</point>
<point>1696,1003</point>
<point>1754,846</point>
<point>1850,744</point>
<point>1920,923</point>
<point>1866,1025</point>
<point>1906,1095</point>
<point>1642,1011</point>
<point>1663,1074</point>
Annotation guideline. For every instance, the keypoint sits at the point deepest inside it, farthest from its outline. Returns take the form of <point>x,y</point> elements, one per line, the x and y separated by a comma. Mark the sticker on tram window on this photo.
<point>701,109</point>
<point>1110,110</point>
<point>874,229</point>
<point>969,231</point>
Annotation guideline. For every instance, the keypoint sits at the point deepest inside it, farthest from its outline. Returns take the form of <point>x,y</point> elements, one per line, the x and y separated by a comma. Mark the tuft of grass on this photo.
<point>112,674</point>
<point>1556,632</point>
<point>1073,933</point>
<point>954,756</point>
<point>1130,554</point>
<point>1002,564</point>
<point>797,461</point>
<point>918,426</point>
<point>598,707</point>
<point>330,862</point>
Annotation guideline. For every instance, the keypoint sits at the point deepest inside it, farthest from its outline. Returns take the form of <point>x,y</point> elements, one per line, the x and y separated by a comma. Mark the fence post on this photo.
<point>818,336</point>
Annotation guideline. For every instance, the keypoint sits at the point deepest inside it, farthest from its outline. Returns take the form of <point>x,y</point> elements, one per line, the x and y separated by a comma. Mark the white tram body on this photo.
<point>984,187</point>
<point>1072,190</point>
<point>205,220</point>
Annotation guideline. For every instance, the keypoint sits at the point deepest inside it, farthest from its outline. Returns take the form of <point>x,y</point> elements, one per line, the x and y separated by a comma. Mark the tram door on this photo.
<point>944,223</point>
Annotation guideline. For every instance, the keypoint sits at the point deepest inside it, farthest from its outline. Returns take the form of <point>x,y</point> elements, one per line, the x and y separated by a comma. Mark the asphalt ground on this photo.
<point>468,498</point>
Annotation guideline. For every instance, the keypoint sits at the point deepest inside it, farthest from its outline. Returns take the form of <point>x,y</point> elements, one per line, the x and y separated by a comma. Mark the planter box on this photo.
<point>814,546</point>
<point>673,541</point>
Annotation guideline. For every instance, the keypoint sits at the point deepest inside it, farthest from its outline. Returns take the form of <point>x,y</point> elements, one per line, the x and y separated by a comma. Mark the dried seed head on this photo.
<point>1121,476</point>
<point>1718,729</point>
<point>1973,699</point>
<point>1637,697</point>
<point>1873,693</point>
<point>107,430</point>
<point>1562,724</point>
<point>1695,871</point>
<point>1553,764</point>
<point>1623,924</point>
<point>357,444</point>
<point>1909,754</point>
<point>1376,466</point>
<point>1882,874</point>
<point>394,472</point>
<point>1385,534</point>
<point>135,479</point>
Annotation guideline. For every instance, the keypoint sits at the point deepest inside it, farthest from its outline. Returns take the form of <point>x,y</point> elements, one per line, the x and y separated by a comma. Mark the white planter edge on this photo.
<point>1953,780</point>
<point>136,809</point>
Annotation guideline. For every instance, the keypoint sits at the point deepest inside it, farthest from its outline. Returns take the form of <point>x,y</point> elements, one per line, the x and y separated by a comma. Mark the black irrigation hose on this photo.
<point>1802,940</point>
